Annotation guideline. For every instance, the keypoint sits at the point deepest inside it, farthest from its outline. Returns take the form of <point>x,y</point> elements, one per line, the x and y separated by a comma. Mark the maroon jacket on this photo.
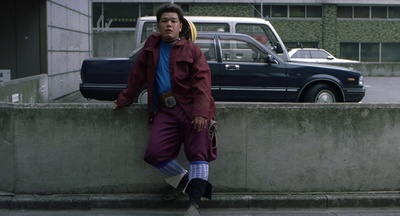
<point>189,72</point>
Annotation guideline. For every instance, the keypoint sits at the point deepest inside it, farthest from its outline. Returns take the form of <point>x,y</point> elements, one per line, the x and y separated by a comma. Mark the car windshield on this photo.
<point>150,27</point>
<point>261,33</point>
<point>319,54</point>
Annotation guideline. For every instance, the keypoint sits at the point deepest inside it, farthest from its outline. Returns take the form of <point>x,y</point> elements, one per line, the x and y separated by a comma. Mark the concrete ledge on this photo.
<point>220,200</point>
<point>264,149</point>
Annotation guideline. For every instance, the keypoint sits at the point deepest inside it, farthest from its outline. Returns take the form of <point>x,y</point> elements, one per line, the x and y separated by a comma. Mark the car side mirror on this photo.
<point>269,59</point>
<point>330,57</point>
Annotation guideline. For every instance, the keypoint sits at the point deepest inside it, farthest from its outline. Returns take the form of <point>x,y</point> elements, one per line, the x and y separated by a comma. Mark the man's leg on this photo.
<point>198,150</point>
<point>178,178</point>
<point>198,186</point>
<point>163,148</point>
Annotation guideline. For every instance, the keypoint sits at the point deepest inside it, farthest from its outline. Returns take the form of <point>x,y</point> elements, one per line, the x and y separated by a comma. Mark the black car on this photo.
<point>242,70</point>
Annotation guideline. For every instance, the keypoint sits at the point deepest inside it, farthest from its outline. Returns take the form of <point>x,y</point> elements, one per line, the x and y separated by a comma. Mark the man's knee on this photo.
<point>151,158</point>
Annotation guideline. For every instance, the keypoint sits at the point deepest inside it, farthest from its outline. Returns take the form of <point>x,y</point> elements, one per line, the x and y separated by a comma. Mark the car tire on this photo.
<point>321,93</point>
<point>142,97</point>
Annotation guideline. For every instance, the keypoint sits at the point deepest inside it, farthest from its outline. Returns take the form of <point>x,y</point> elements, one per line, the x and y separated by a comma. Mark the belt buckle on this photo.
<point>169,101</point>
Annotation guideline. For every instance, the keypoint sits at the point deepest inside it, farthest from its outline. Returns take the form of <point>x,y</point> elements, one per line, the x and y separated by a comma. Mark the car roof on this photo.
<point>306,49</point>
<point>215,19</point>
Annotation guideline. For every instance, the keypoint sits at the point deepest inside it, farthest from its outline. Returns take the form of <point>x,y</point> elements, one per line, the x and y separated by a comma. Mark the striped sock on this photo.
<point>198,169</point>
<point>171,168</point>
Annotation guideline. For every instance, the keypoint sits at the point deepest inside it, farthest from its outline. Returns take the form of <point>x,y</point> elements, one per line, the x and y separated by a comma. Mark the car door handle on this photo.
<point>232,67</point>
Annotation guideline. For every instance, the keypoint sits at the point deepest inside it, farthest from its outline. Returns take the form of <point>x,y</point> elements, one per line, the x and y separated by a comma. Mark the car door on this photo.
<point>245,75</point>
<point>208,46</point>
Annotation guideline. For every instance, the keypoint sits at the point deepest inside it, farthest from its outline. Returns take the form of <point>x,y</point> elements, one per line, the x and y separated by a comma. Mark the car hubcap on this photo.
<point>143,98</point>
<point>325,97</point>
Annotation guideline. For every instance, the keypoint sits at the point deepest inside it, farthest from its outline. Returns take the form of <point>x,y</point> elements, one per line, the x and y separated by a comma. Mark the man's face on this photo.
<point>169,26</point>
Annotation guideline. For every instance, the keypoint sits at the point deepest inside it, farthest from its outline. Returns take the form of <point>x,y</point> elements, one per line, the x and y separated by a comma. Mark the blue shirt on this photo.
<point>163,80</point>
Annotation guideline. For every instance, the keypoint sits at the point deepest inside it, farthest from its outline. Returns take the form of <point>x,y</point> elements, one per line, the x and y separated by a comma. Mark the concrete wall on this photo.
<point>388,69</point>
<point>68,42</point>
<point>31,89</point>
<point>89,148</point>
<point>113,44</point>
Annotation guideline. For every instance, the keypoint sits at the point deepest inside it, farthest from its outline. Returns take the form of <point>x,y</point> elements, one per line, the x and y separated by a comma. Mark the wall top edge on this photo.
<point>225,105</point>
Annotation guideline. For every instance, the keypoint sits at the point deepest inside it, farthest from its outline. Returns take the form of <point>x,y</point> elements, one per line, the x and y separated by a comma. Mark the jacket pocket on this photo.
<point>183,66</point>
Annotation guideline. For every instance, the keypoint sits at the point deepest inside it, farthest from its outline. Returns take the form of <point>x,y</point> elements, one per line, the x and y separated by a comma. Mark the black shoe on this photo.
<point>174,193</point>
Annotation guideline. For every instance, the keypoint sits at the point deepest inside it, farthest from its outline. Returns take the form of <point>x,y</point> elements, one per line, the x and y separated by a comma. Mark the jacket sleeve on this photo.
<point>136,78</point>
<point>201,83</point>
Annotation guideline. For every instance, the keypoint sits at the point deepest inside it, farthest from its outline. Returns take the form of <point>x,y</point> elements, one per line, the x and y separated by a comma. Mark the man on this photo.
<point>180,106</point>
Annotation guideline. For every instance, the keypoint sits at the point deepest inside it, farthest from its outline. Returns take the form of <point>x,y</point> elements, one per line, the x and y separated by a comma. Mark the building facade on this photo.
<point>42,45</point>
<point>359,30</point>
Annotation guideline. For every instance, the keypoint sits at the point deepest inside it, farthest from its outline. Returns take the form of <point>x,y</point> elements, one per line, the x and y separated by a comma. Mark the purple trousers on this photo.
<point>171,129</point>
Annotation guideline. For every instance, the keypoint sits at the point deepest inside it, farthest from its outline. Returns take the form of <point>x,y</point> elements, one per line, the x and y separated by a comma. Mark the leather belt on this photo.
<point>167,99</point>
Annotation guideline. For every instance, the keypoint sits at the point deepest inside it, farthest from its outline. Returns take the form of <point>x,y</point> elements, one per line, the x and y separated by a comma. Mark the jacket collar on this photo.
<point>155,38</point>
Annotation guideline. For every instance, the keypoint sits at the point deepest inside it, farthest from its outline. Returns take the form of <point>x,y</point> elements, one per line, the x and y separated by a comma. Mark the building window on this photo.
<point>297,11</point>
<point>118,15</point>
<point>314,11</point>
<point>345,12</point>
<point>185,8</point>
<point>279,11</point>
<point>146,10</point>
<point>371,52</point>
<point>368,12</point>
<point>264,11</point>
<point>288,11</point>
<point>378,12</point>
<point>350,51</point>
<point>361,12</point>
<point>394,12</point>
<point>390,52</point>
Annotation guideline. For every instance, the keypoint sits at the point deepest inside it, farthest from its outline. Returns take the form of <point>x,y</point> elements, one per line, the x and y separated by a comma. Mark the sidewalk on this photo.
<point>339,204</point>
<point>209,212</point>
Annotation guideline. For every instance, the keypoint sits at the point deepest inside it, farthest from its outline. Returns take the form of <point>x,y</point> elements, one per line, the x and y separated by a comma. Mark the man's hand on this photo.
<point>199,123</point>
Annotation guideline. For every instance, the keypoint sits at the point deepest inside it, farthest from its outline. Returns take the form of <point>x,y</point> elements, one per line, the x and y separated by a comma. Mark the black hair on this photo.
<point>169,7</point>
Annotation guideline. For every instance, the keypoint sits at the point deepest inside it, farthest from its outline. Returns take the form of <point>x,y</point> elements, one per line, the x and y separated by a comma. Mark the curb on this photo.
<point>220,200</point>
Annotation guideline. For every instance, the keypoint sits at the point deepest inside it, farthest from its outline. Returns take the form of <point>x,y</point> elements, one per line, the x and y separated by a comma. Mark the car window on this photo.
<point>150,27</point>
<point>207,46</point>
<point>235,50</point>
<point>212,27</point>
<point>259,32</point>
<point>302,54</point>
<point>318,54</point>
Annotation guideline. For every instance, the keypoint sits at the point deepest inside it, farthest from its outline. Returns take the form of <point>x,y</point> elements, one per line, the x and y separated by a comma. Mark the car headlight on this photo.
<point>353,80</point>
<point>360,81</point>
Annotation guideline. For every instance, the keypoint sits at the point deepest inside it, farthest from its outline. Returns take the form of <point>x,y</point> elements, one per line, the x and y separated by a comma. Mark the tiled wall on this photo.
<point>69,42</point>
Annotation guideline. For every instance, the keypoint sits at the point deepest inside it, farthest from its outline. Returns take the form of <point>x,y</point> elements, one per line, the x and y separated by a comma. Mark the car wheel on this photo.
<point>321,93</point>
<point>142,97</point>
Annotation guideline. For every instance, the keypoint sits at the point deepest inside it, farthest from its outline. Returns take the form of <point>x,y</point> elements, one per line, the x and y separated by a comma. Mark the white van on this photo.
<point>258,28</point>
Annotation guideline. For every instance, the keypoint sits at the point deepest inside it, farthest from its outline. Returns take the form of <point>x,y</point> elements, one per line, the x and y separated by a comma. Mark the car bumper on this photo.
<point>354,94</point>
<point>107,92</point>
